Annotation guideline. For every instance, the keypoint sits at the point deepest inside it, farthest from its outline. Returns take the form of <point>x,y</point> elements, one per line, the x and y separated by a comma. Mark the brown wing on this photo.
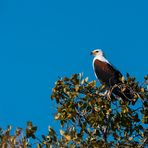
<point>106,73</point>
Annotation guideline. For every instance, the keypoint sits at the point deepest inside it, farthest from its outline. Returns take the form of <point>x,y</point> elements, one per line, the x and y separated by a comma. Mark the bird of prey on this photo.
<point>107,74</point>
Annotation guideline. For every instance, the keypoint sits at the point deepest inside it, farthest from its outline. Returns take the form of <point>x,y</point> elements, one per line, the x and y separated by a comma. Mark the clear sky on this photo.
<point>43,39</point>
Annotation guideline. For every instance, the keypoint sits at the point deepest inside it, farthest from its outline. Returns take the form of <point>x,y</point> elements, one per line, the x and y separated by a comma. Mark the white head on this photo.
<point>97,52</point>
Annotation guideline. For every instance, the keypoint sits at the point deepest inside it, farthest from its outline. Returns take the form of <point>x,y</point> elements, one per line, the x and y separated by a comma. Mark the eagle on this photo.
<point>108,75</point>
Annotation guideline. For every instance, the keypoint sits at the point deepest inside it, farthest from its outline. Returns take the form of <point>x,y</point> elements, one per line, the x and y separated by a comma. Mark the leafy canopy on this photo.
<point>90,117</point>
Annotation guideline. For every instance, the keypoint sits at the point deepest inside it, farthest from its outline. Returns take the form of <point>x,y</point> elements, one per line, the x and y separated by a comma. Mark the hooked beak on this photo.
<point>91,53</point>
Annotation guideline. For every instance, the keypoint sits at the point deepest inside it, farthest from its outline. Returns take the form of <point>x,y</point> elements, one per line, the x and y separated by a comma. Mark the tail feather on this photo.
<point>126,95</point>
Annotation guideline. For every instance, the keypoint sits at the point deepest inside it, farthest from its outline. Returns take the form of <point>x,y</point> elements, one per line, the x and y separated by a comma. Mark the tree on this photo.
<point>89,117</point>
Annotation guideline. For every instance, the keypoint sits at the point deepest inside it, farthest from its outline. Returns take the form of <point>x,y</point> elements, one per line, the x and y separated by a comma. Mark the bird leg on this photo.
<point>104,94</point>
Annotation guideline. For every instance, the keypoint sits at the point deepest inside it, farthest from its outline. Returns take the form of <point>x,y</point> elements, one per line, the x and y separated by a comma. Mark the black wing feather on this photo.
<point>106,73</point>
<point>110,76</point>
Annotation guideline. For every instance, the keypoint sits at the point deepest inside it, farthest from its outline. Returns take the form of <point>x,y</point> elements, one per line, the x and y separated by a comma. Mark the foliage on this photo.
<point>90,117</point>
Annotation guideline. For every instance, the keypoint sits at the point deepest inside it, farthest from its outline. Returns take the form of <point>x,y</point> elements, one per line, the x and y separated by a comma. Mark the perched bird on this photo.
<point>107,74</point>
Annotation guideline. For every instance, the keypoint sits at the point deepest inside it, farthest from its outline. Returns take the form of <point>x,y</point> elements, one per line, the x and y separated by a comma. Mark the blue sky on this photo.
<point>41,40</point>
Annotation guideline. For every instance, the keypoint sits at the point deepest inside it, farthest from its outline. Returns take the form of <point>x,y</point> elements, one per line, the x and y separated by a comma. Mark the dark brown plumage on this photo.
<point>108,75</point>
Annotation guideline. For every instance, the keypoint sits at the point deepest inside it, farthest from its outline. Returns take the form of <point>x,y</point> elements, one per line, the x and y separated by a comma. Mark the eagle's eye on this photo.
<point>97,51</point>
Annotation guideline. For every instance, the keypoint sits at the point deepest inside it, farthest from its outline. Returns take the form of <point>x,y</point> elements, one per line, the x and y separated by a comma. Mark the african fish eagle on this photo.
<point>107,74</point>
